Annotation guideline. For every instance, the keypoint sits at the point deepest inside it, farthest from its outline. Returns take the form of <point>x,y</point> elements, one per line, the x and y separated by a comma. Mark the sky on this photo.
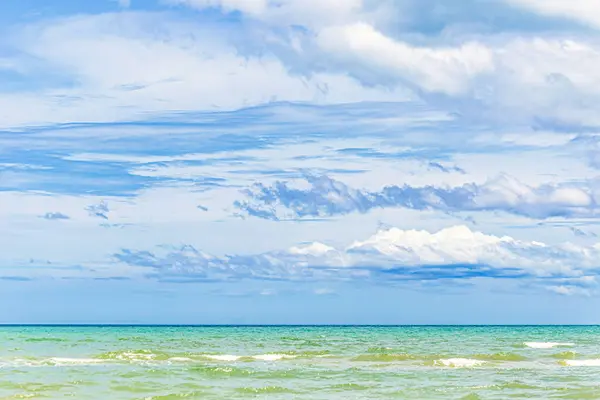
<point>300,161</point>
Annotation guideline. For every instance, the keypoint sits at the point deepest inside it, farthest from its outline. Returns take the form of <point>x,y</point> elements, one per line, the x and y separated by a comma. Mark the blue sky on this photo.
<point>300,161</point>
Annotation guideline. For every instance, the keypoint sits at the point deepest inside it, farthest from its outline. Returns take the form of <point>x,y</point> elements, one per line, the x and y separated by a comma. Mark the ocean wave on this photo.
<point>222,357</point>
<point>351,386</point>
<point>500,357</point>
<point>45,339</point>
<point>547,345</point>
<point>180,359</point>
<point>49,362</point>
<point>134,355</point>
<point>259,357</point>
<point>391,357</point>
<point>170,396</point>
<point>263,390</point>
<point>565,355</point>
<point>581,363</point>
<point>272,357</point>
<point>65,361</point>
<point>379,349</point>
<point>374,357</point>
<point>221,372</point>
<point>506,385</point>
<point>147,357</point>
<point>458,362</point>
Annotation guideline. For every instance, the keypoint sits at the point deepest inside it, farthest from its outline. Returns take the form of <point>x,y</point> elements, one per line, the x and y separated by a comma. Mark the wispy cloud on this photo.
<point>16,278</point>
<point>100,210</point>
<point>448,169</point>
<point>55,216</point>
<point>328,197</point>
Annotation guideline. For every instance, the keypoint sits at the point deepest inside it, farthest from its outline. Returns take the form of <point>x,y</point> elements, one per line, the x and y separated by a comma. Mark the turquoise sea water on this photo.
<point>300,362</point>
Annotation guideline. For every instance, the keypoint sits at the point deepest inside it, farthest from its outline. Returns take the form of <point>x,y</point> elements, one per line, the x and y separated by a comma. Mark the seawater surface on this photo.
<point>300,362</point>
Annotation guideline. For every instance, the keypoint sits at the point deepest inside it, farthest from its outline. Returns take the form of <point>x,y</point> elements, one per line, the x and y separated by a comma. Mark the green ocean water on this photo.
<point>300,362</point>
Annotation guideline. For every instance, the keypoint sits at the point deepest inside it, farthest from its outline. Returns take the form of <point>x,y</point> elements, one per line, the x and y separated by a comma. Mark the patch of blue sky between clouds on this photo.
<point>119,159</point>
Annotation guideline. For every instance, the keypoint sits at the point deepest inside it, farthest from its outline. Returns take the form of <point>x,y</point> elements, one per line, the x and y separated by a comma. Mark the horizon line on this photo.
<point>99,325</point>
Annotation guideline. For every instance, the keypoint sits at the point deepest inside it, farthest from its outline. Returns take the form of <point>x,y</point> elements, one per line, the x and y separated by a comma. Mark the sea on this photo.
<point>300,362</point>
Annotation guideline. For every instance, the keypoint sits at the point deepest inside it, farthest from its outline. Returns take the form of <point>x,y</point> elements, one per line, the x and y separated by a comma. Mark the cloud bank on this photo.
<point>390,255</point>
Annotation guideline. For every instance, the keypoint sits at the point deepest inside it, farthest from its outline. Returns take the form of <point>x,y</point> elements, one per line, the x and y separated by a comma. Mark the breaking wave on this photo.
<point>547,345</point>
<point>458,362</point>
<point>581,363</point>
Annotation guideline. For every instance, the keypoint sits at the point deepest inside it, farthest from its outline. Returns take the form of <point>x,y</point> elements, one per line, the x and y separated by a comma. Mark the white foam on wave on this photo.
<point>135,356</point>
<point>260,357</point>
<point>19,363</point>
<point>458,362</point>
<point>272,357</point>
<point>547,345</point>
<point>180,359</point>
<point>52,361</point>
<point>61,361</point>
<point>222,357</point>
<point>582,363</point>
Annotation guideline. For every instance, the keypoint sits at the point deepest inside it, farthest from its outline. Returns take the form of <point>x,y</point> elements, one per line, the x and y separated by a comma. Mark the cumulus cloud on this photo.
<point>325,197</point>
<point>391,254</point>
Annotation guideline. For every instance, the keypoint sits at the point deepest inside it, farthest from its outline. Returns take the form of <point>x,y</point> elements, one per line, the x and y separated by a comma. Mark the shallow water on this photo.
<point>300,362</point>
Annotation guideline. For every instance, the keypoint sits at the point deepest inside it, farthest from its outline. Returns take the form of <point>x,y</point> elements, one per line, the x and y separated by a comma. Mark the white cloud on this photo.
<point>569,290</point>
<point>324,292</point>
<point>586,11</point>
<point>454,245</point>
<point>444,70</point>
<point>514,77</point>
<point>506,192</point>
<point>131,65</point>
<point>346,55</point>
<point>157,71</point>
<point>451,253</point>
<point>313,249</point>
<point>564,290</point>
<point>323,196</point>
